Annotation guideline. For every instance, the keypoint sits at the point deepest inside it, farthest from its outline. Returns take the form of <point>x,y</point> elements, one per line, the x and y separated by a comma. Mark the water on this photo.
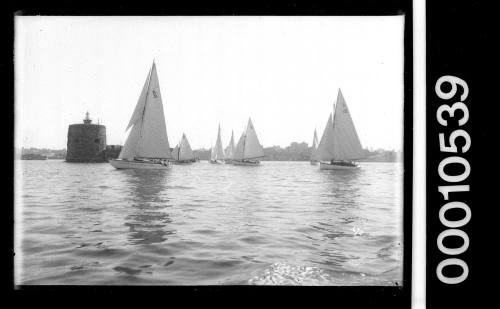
<point>279,223</point>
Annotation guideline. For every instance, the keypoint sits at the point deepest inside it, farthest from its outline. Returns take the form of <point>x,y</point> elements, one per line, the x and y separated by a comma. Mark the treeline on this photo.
<point>382,155</point>
<point>294,152</point>
<point>302,152</point>
<point>49,153</point>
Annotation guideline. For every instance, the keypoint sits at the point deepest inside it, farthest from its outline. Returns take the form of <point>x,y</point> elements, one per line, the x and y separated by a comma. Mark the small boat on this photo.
<point>248,151</point>
<point>229,150</point>
<point>314,161</point>
<point>147,145</point>
<point>217,153</point>
<point>182,153</point>
<point>246,162</point>
<point>340,145</point>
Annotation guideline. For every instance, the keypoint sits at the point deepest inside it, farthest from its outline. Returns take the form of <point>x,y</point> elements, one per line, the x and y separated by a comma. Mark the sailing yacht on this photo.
<point>182,153</point>
<point>147,145</point>
<point>229,149</point>
<point>217,153</point>
<point>314,161</point>
<point>340,145</point>
<point>248,151</point>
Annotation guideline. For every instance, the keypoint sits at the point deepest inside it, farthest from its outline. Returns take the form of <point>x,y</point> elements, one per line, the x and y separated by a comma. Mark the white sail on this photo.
<point>148,136</point>
<point>253,149</point>
<point>217,151</point>
<point>314,146</point>
<point>139,107</point>
<point>238,150</point>
<point>212,153</point>
<point>175,152</point>
<point>315,140</point>
<point>129,148</point>
<point>230,147</point>
<point>346,143</point>
<point>185,152</point>
<point>325,147</point>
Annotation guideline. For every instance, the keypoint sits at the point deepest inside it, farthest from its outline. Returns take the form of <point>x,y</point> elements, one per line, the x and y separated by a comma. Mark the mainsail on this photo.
<point>340,140</point>
<point>248,146</point>
<point>217,151</point>
<point>148,136</point>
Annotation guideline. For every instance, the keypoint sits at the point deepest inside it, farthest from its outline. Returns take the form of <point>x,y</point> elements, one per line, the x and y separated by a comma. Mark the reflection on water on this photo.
<point>278,223</point>
<point>148,221</point>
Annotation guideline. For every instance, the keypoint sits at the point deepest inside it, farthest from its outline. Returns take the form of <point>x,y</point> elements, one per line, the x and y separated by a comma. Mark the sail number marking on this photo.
<point>448,144</point>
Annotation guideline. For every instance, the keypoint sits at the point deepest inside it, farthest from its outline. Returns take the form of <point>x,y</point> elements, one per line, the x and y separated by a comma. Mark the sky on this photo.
<point>282,72</point>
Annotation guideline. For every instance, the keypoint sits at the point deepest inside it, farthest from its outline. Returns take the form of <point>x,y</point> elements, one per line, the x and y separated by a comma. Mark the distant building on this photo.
<point>113,151</point>
<point>33,156</point>
<point>86,142</point>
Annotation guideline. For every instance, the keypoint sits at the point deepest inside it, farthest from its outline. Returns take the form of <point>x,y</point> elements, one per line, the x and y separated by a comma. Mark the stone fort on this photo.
<point>86,142</point>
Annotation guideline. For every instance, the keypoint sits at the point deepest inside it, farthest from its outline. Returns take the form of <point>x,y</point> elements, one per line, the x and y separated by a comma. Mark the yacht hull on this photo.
<point>328,166</point>
<point>182,162</point>
<point>128,164</point>
<point>248,163</point>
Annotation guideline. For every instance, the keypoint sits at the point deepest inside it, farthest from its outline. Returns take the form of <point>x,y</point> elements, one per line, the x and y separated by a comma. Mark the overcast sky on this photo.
<point>283,72</point>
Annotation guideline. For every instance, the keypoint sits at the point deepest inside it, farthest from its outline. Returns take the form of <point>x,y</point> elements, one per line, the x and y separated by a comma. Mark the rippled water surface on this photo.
<point>277,223</point>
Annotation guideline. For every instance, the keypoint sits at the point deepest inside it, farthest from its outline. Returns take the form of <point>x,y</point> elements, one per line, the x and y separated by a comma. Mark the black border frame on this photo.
<point>389,297</point>
<point>460,38</point>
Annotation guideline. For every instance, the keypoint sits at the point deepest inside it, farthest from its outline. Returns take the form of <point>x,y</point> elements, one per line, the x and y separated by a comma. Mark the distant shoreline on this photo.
<point>294,152</point>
